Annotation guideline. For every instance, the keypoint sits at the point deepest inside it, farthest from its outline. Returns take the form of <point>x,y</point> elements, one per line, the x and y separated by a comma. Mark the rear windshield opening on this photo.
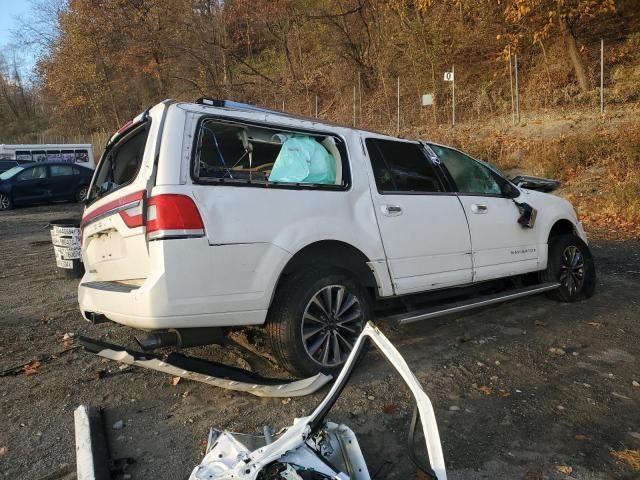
<point>120,164</point>
<point>227,152</point>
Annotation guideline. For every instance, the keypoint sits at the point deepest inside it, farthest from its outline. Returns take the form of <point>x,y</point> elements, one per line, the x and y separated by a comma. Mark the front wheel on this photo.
<point>315,320</point>
<point>5,202</point>
<point>571,264</point>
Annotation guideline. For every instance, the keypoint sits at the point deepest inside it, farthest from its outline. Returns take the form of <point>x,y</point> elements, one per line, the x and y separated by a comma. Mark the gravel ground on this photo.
<point>521,390</point>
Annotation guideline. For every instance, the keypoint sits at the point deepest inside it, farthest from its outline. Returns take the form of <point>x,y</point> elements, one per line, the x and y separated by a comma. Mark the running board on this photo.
<point>477,302</point>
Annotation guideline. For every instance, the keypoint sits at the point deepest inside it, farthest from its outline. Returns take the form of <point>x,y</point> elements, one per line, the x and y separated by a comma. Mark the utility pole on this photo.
<point>513,113</point>
<point>517,91</point>
<point>601,76</point>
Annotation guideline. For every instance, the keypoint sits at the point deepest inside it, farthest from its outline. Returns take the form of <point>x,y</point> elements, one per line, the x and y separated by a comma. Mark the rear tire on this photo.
<point>315,319</point>
<point>570,262</point>
<point>81,194</point>
<point>5,202</point>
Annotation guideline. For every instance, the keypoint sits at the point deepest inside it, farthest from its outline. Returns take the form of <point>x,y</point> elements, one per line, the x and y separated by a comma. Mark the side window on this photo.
<point>39,156</point>
<point>33,173</point>
<point>82,156</point>
<point>67,156</point>
<point>401,167</point>
<point>121,164</point>
<point>469,175</point>
<point>61,170</point>
<point>236,153</point>
<point>24,155</point>
<point>53,155</point>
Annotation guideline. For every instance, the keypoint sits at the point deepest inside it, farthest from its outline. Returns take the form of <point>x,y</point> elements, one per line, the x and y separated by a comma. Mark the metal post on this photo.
<point>517,91</point>
<point>354,105</point>
<point>359,99</point>
<point>283,105</point>
<point>601,76</point>
<point>453,95</point>
<point>513,118</point>
<point>316,106</point>
<point>398,114</point>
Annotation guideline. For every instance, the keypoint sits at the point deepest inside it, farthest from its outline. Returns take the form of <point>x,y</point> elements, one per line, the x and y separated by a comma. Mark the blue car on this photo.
<point>43,183</point>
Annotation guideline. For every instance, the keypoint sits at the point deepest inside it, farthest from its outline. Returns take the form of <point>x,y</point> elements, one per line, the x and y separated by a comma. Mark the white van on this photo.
<point>80,153</point>
<point>214,214</point>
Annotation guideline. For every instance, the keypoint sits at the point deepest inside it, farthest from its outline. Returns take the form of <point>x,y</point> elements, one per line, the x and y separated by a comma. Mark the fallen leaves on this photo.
<point>32,368</point>
<point>3,451</point>
<point>630,457</point>
<point>68,339</point>
<point>582,438</point>
<point>390,408</point>
<point>595,324</point>
<point>557,351</point>
<point>175,380</point>
<point>564,469</point>
<point>486,390</point>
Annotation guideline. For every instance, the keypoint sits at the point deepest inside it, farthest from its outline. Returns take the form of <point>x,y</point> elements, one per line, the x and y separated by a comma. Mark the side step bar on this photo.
<point>477,302</point>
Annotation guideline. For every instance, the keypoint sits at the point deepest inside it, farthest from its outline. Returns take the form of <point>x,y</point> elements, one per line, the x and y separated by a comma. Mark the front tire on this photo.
<point>570,263</point>
<point>5,202</point>
<point>315,319</point>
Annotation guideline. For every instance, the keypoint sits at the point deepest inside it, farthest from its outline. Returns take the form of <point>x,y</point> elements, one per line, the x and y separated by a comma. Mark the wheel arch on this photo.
<point>336,253</point>
<point>561,226</point>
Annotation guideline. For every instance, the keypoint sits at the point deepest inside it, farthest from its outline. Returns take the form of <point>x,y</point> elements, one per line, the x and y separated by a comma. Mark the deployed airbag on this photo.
<point>303,159</point>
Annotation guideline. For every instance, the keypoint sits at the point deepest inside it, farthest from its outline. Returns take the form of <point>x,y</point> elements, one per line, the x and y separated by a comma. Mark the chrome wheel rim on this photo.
<point>82,194</point>
<point>4,201</point>
<point>331,324</point>
<point>572,269</point>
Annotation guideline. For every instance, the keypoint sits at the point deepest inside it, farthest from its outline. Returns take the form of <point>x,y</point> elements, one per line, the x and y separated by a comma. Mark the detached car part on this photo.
<point>211,373</point>
<point>314,448</point>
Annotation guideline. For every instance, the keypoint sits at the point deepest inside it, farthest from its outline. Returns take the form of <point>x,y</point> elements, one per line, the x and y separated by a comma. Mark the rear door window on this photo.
<point>401,167</point>
<point>61,170</point>
<point>121,164</point>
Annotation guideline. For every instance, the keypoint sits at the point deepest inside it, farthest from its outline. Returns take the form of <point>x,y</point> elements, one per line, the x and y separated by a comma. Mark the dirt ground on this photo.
<point>521,391</point>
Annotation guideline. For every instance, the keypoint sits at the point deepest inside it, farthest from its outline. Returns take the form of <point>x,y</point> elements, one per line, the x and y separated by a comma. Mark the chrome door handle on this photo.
<point>479,208</point>
<point>391,210</point>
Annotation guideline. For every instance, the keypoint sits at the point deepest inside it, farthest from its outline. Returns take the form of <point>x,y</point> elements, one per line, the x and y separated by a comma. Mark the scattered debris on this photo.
<point>119,425</point>
<point>370,397</point>
<point>486,390</point>
<point>175,381</point>
<point>564,469</point>
<point>314,448</point>
<point>635,384</point>
<point>560,407</point>
<point>583,438</point>
<point>3,451</point>
<point>68,339</point>
<point>595,324</point>
<point>454,408</point>
<point>619,395</point>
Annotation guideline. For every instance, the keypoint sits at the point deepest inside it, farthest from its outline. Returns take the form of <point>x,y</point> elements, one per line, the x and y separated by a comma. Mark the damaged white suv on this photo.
<point>210,215</point>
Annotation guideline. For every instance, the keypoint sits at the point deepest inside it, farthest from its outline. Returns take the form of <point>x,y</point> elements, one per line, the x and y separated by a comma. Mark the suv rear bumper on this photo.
<point>137,310</point>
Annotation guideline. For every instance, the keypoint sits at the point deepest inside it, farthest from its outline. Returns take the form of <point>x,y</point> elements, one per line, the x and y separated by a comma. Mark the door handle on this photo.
<point>479,208</point>
<point>391,210</point>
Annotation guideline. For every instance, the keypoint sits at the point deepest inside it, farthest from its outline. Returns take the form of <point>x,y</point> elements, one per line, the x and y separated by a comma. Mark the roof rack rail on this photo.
<point>213,102</point>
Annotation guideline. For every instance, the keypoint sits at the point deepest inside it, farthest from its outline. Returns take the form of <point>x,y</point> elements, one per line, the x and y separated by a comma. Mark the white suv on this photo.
<point>218,214</point>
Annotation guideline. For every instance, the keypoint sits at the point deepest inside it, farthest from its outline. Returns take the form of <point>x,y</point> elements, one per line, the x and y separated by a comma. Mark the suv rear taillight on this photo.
<point>173,216</point>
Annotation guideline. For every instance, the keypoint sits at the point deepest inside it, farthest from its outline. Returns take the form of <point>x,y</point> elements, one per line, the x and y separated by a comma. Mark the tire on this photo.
<point>570,263</point>
<point>5,202</point>
<point>81,194</point>
<point>300,308</point>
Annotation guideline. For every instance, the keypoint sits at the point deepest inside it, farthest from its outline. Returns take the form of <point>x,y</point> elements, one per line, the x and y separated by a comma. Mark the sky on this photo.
<point>9,10</point>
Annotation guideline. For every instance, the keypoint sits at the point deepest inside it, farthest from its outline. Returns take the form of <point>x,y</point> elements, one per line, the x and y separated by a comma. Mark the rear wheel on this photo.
<point>315,320</point>
<point>81,194</point>
<point>5,202</point>
<point>570,263</point>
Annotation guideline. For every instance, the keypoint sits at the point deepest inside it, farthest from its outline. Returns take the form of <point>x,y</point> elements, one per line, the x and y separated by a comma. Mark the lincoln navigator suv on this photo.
<point>208,216</point>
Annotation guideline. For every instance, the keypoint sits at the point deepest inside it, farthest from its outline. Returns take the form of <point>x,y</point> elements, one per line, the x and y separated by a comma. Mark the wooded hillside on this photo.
<point>106,60</point>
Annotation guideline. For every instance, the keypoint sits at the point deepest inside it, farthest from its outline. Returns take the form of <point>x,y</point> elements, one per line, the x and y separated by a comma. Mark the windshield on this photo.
<point>10,173</point>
